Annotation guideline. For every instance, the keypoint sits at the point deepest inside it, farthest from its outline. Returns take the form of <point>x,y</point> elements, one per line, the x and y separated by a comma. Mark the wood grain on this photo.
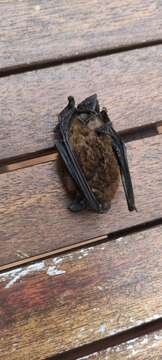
<point>129,84</point>
<point>159,129</point>
<point>34,217</point>
<point>148,347</point>
<point>34,31</point>
<point>71,300</point>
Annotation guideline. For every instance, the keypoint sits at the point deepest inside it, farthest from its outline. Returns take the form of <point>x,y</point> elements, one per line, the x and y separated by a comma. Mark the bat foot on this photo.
<point>78,204</point>
<point>133,208</point>
<point>104,208</point>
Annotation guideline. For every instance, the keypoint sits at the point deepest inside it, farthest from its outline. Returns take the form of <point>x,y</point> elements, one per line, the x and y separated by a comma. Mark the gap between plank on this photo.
<point>46,155</point>
<point>84,244</point>
<point>26,67</point>
<point>114,340</point>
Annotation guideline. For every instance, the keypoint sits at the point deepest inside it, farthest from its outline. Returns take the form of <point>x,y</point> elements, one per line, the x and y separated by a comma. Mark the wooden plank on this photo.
<point>34,217</point>
<point>129,84</point>
<point>65,302</point>
<point>159,129</point>
<point>32,31</point>
<point>29,162</point>
<point>148,347</point>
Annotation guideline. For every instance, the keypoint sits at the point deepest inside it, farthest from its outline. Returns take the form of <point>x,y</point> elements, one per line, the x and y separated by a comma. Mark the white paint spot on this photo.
<point>131,319</point>
<point>83,252</point>
<point>130,346</point>
<point>82,330</point>
<point>119,239</point>
<point>96,309</point>
<point>102,329</point>
<point>14,347</point>
<point>37,8</point>
<point>57,260</point>
<point>13,276</point>
<point>11,273</point>
<point>134,352</point>
<point>100,288</point>
<point>22,254</point>
<point>53,271</point>
<point>17,274</point>
<point>158,337</point>
<point>145,340</point>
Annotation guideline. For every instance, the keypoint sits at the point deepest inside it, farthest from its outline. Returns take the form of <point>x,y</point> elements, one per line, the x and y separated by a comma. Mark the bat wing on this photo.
<point>121,155</point>
<point>64,149</point>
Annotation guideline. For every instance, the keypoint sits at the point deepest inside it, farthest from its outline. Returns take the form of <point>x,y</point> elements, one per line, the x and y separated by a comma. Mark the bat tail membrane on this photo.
<point>120,153</point>
<point>64,149</point>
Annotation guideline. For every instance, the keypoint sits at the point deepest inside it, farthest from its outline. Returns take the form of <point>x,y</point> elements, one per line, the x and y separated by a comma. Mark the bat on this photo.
<point>92,156</point>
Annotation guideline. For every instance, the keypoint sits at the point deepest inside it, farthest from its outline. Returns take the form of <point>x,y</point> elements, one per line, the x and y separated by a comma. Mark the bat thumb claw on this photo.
<point>71,100</point>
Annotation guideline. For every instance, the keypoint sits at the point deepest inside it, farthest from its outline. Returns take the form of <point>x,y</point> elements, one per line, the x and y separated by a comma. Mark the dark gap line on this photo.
<point>135,229</point>
<point>114,340</point>
<point>116,235</point>
<point>42,64</point>
<point>89,243</point>
<point>27,156</point>
<point>139,132</point>
<point>128,135</point>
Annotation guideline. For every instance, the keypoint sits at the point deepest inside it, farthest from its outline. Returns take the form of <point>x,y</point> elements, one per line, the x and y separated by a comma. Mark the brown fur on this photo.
<point>96,158</point>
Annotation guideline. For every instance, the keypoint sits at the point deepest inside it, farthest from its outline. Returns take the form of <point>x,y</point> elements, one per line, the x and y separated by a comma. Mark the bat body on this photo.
<point>92,156</point>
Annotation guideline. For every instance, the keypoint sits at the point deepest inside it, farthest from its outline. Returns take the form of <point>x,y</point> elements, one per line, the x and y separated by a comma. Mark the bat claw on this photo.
<point>104,208</point>
<point>77,205</point>
<point>71,101</point>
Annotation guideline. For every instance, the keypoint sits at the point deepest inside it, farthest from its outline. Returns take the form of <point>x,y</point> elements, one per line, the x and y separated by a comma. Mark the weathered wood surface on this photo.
<point>36,31</point>
<point>148,347</point>
<point>129,84</point>
<point>68,301</point>
<point>34,217</point>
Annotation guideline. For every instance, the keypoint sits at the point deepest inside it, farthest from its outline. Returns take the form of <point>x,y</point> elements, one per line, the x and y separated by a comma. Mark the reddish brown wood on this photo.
<point>65,302</point>
<point>35,31</point>
<point>128,84</point>
<point>34,217</point>
<point>148,347</point>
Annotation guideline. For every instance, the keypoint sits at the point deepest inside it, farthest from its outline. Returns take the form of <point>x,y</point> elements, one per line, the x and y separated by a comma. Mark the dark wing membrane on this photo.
<point>63,147</point>
<point>120,153</point>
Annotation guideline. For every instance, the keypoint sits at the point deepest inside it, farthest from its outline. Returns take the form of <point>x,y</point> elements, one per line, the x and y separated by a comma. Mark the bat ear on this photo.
<point>90,104</point>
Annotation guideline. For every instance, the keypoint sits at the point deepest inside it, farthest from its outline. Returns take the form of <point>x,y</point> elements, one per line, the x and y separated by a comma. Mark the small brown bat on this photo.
<point>92,155</point>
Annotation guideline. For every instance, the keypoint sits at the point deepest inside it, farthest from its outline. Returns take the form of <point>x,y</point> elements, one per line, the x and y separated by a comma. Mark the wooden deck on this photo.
<point>79,286</point>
